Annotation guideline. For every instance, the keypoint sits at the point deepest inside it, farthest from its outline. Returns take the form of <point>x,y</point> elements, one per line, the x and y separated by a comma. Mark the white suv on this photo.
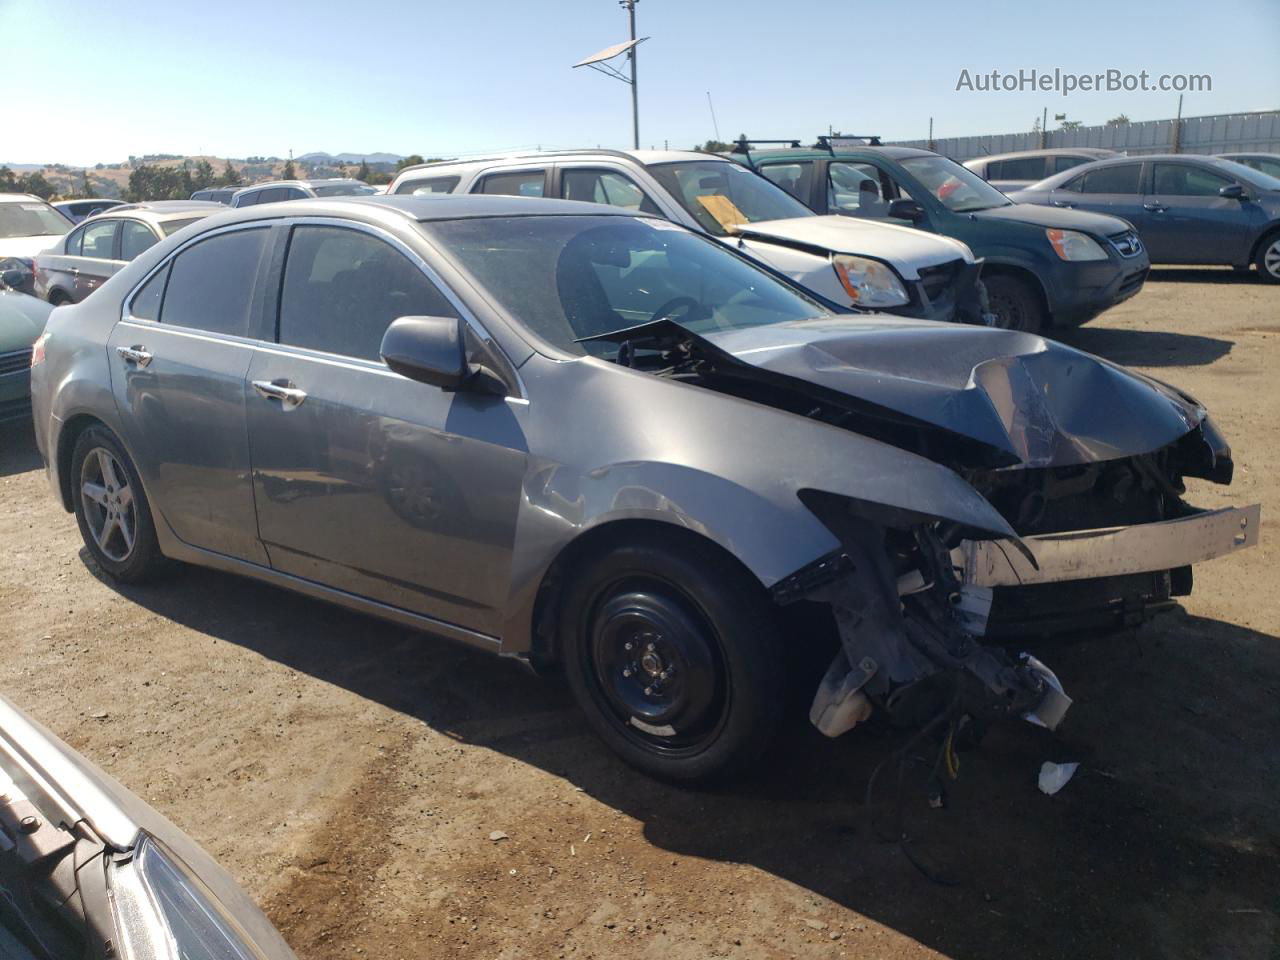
<point>859,263</point>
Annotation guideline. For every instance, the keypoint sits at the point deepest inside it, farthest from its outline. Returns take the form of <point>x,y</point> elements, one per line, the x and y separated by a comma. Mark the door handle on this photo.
<point>282,390</point>
<point>1154,207</point>
<point>138,355</point>
<point>1063,203</point>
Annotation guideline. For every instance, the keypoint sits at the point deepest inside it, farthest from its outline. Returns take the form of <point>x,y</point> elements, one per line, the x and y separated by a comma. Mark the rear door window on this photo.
<point>423,187</point>
<point>605,186</point>
<point>1021,168</point>
<point>796,178</point>
<point>99,240</point>
<point>211,283</point>
<point>1066,163</point>
<point>1122,178</point>
<point>525,183</point>
<point>342,288</point>
<point>135,237</point>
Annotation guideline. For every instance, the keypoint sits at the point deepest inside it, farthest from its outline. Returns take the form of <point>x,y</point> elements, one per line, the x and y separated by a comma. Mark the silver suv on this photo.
<point>852,263</point>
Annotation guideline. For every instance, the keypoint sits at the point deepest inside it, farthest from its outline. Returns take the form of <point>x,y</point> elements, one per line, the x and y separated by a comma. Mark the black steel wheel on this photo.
<point>1015,305</point>
<point>671,650</point>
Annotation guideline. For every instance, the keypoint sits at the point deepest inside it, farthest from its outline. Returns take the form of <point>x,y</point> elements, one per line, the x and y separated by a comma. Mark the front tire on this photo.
<point>1015,304</point>
<point>671,650</point>
<point>111,508</point>
<point>1268,259</point>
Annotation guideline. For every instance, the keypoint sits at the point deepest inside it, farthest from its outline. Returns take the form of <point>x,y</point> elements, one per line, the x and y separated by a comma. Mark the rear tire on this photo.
<point>111,508</point>
<point>672,651</point>
<point>1015,304</point>
<point>1268,259</point>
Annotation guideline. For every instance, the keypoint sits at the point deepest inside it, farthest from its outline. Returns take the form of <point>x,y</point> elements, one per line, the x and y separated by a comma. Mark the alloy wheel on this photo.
<point>1271,259</point>
<point>108,502</point>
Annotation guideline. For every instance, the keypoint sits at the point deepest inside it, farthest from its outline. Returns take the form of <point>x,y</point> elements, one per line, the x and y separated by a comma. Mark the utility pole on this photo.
<point>635,96</point>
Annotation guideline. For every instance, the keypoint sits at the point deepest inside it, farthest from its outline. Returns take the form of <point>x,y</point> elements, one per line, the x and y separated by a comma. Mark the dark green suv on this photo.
<point>1043,266</point>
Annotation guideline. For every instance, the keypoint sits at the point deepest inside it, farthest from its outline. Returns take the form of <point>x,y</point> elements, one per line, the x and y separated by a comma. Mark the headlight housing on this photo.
<point>164,913</point>
<point>1072,245</point>
<point>869,283</point>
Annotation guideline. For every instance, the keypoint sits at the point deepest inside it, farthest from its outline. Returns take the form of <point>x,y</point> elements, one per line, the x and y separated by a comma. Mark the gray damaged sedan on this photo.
<point>89,871</point>
<point>570,434</point>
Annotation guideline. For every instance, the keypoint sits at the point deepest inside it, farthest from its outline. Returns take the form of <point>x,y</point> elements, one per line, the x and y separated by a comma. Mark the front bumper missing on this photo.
<point>1110,551</point>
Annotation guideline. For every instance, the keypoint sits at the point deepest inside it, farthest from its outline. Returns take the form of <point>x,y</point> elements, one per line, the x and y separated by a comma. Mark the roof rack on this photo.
<point>517,155</point>
<point>743,145</point>
<point>824,139</point>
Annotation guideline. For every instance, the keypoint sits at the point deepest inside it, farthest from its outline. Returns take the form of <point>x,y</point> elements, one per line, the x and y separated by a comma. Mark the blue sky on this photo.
<point>100,81</point>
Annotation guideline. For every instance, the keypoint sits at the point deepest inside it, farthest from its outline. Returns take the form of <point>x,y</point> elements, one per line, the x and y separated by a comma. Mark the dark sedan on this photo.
<point>1187,208</point>
<point>566,433</point>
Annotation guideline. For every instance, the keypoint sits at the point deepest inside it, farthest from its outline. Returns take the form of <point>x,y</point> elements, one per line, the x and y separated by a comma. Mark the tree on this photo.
<point>377,177</point>
<point>290,172</point>
<point>203,178</point>
<point>714,146</point>
<point>1121,121</point>
<point>8,182</point>
<point>230,176</point>
<point>363,172</point>
<point>1070,124</point>
<point>86,188</point>
<point>36,183</point>
<point>411,160</point>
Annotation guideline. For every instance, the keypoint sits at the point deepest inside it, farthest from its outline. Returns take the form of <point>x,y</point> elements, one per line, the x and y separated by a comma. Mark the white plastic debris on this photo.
<point>839,705</point>
<point>1050,711</point>
<point>1054,776</point>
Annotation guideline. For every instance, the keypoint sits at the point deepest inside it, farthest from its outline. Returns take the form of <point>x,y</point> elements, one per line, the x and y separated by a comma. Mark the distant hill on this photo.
<point>324,158</point>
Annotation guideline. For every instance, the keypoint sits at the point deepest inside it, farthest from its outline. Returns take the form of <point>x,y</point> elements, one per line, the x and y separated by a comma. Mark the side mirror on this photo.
<point>904,209</point>
<point>1233,191</point>
<point>12,279</point>
<point>427,349</point>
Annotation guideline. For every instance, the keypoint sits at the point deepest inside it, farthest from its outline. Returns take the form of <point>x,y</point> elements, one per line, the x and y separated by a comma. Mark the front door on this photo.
<point>1115,189</point>
<point>178,363</point>
<point>1189,222</point>
<point>366,481</point>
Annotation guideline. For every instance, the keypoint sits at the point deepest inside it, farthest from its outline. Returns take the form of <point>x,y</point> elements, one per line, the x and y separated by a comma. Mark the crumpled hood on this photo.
<point>1058,218</point>
<point>1034,399</point>
<point>884,241</point>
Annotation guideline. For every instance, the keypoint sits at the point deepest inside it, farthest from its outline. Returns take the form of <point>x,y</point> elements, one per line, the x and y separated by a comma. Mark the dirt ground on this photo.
<point>350,773</point>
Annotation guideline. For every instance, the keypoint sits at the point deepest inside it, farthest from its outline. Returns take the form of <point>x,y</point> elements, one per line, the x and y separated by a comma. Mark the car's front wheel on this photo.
<point>111,508</point>
<point>672,651</point>
<point>1269,259</point>
<point>1015,304</point>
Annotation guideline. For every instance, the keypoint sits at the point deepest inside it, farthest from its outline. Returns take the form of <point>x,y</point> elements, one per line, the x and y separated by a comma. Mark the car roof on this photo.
<point>421,209</point>
<point>1100,153</point>
<point>644,157</point>
<point>20,198</point>
<point>318,182</point>
<point>1249,153</point>
<point>161,211</point>
<point>105,200</point>
<point>809,153</point>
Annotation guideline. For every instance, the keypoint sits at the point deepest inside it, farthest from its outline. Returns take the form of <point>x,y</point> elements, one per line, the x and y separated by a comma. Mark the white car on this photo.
<point>28,226</point>
<point>852,263</point>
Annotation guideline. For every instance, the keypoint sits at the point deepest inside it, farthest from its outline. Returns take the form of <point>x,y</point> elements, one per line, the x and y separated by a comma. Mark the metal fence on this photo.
<point>1223,133</point>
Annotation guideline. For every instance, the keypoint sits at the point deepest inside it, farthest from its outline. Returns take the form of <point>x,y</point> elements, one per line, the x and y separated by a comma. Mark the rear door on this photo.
<point>99,258</point>
<point>524,182</point>
<point>610,184</point>
<point>1187,220</point>
<point>366,481</point>
<point>178,363</point>
<point>1115,189</point>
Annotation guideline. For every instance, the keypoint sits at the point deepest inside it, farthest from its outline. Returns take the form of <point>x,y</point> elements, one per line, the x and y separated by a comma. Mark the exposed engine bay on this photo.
<point>1093,495</point>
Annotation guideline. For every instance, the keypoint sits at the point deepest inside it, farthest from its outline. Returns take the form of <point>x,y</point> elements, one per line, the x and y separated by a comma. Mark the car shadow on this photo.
<point>18,453</point>
<point>1147,348</point>
<point>1222,275</point>
<point>1166,834</point>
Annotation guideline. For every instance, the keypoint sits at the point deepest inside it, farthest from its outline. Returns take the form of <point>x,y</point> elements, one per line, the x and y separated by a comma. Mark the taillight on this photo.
<point>37,348</point>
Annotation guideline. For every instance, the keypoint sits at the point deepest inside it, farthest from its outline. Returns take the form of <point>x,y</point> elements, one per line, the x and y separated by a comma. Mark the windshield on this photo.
<point>720,193</point>
<point>31,218</point>
<point>571,277</point>
<point>1250,175</point>
<point>344,190</point>
<point>956,187</point>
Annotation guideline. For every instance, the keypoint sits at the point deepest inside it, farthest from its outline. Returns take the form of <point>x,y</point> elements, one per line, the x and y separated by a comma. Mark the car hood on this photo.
<point>22,318</point>
<point>905,246</point>
<point>1098,224</point>
<point>28,246</point>
<point>1035,401</point>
